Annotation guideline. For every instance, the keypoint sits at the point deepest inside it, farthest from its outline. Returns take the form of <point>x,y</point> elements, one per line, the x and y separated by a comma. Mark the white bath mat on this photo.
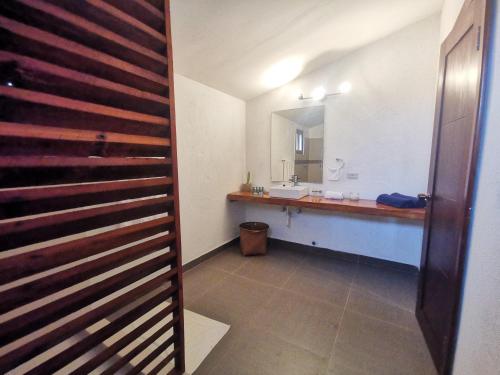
<point>201,334</point>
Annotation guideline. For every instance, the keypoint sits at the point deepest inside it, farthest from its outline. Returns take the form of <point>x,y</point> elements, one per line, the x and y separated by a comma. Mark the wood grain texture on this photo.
<point>38,345</point>
<point>78,24</point>
<point>46,38</point>
<point>36,170</point>
<point>32,230</point>
<point>63,358</point>
<point>31,201</point>
<point>88,185</point>
<point>31,291</point>
<point>126,340</point>
<point>179,327</point>
<point>77,105</point>
<point>45,258</point>
<point>363,206</point>
<point>54,78</point>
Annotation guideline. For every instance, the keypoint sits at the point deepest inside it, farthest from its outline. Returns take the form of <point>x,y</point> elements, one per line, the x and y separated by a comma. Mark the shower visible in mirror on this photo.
<point>297,144</point>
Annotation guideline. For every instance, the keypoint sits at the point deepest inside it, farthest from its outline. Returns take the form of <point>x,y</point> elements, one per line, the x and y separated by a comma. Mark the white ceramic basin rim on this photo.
<point>290,192</point>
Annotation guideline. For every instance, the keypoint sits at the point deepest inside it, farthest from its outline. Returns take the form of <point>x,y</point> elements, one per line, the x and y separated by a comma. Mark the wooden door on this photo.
<point>451,178</point>
<point>89,208</point>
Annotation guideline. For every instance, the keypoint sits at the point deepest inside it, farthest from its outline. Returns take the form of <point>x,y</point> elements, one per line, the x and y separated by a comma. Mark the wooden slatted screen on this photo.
<point>90,265</point>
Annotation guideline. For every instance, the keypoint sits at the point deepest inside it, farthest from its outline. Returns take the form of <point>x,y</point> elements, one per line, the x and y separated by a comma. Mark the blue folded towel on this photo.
<point>401,201</point>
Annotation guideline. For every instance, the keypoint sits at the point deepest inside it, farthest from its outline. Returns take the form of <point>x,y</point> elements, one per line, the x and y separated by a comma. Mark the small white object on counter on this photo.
<point>336,195</point>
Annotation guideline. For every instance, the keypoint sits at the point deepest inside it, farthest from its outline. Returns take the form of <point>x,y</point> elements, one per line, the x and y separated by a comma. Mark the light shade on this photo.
<point>345,87</point>
<point>282,72</point>
<point>318,93</point>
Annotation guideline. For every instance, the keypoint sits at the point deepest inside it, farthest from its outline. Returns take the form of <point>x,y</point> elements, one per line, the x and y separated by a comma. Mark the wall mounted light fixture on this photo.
<point>319,93</point>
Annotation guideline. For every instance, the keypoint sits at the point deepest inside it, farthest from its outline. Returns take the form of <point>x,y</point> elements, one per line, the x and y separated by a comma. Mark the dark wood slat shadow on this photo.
<point>31,291</point>
<point>27,40</point>
<point>25,140</point>
<point>46,258</point>
<point>78,105</point>
<point>37,75</point>
<point>124,341</point>
<point>89,198</point>
<point>29,231</point>
<point>62,359</point>
<point>38,345</point>
<point>35,170</point>
<point>31,201</point>
<point>54,19</point>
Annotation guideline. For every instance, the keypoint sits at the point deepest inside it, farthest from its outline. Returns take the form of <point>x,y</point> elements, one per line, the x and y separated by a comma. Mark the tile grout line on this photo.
<point>341,320</point>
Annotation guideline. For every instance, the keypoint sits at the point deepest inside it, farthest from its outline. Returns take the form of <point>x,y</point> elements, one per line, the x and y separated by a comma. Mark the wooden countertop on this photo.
<point>363,206</point>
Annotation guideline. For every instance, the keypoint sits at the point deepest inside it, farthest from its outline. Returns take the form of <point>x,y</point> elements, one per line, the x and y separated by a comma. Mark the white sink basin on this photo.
<point>290,192</point>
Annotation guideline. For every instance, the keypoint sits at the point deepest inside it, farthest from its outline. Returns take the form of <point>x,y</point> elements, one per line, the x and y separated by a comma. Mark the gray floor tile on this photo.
<point>369,304</point>
<point>306,323</point>
<point>233,301</point>
<point>395,287</point>
<point>376,347</point>
<point>228,260</point>
<point>221,350</point>
<point>199,280</point>
<point>327,280</point>
<point>275,268</point>
<point>285,309</point>
<point>260,353</point>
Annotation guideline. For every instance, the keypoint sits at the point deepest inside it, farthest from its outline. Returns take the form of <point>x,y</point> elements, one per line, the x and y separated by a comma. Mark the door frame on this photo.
<point>479,13</point>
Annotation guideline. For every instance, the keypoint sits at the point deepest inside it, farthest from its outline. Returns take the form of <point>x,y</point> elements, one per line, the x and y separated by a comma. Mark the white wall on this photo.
<point>211,144</point>
<point>383,131</point>
<point>478,350</point>
<point>449,14</point>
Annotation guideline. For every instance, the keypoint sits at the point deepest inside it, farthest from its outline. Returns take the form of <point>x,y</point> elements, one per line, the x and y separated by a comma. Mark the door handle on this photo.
<point>425,196</point>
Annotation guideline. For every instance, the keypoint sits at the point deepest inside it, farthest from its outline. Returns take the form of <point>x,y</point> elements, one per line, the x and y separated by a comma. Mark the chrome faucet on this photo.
<point>294,179</point>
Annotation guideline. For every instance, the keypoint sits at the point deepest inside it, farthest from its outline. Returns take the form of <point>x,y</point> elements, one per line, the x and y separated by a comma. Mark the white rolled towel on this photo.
<point>337,195</point>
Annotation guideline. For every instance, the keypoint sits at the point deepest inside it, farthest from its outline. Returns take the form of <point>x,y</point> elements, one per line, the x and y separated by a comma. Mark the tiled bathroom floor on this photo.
<point>300,313</point>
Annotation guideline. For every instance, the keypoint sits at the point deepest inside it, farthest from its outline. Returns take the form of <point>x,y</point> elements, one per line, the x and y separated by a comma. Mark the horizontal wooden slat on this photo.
<point>164,362</point>
<point>29,231</point>
<point>14,297</point>
<point>124,17</point>
<point>155,353</point>
<point>78,105</point>
<point>84,24</point>
<point>150,8</point>
<point>113,369</point>
<point>32,170</point>
<point>27,139</point>
<point>62,359</point>
<point>143,11</point>
<point>57,79</point>
<point>29,322</point>
<point>29,263</point>
<point>38,345</point>
<point>46,38</point>
<point>129,338</point>
<point>17,111</point>
<point>30,201</point>
<point>15,130</point>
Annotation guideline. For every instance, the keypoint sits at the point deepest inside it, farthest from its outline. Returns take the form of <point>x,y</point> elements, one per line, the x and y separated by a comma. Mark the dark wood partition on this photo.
<point>90,263</point>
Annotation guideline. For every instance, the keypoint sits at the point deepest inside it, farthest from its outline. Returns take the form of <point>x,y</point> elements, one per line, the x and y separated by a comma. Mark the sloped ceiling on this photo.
<point>230,45</point>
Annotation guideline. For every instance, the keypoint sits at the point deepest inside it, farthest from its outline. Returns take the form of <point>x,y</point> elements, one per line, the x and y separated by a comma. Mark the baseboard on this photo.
<point>210,254</point>
<point>362,259</point>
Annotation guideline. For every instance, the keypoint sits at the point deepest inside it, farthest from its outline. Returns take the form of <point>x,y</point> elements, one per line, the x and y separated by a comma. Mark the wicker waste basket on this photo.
<point>253,238</point>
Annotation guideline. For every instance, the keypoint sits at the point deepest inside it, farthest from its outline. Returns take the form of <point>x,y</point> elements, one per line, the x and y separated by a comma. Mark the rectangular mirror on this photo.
<point>297,144</point>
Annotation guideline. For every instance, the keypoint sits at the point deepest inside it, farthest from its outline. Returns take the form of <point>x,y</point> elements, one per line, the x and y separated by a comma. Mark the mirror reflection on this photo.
<point>297,144</point>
